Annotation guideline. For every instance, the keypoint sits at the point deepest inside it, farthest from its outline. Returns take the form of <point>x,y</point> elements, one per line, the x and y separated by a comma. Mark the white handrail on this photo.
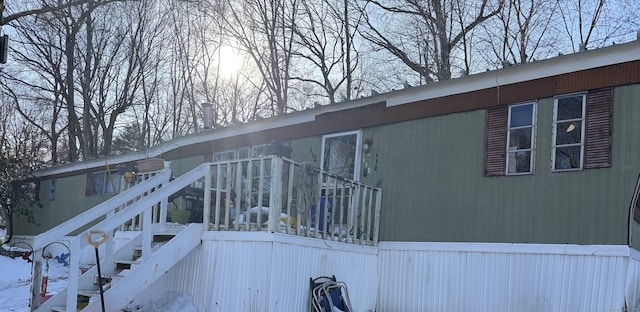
<point>81,220</point>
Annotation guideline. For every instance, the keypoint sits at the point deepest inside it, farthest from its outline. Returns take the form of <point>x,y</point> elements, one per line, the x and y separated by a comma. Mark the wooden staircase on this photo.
<point>128,273</point>
<point>129,269</point>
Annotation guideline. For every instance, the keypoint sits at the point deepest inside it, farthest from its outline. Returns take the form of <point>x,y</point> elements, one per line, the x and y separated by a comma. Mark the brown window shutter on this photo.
<point>598,129</point>
<point>495,158</point>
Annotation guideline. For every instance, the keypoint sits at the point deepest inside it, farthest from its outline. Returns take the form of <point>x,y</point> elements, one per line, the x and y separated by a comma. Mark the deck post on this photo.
<point>206,210</point>
<point>37,282</point>
<point>275,195</point>
<point>74,267</point>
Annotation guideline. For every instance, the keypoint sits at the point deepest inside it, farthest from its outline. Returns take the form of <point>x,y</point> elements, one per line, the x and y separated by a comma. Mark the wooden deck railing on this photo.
<point>279,195</point>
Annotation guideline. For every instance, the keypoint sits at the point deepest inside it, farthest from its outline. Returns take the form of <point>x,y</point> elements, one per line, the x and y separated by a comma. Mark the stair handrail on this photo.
<point>76,223</point>
<point>145,202</point>
<point>88,216</point>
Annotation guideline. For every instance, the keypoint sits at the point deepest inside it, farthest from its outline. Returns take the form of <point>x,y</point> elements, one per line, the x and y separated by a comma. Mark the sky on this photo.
<point>15,283</point>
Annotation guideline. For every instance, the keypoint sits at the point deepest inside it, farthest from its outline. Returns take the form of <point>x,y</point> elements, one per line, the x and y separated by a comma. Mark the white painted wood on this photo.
<point>272,271</point>
<point>147,233</point>
<point>41,240</point>
<point>496,277</point>
<point>275,195</point>
<point>206,210</point>
<point>143,275</point>
<point>74,266</point>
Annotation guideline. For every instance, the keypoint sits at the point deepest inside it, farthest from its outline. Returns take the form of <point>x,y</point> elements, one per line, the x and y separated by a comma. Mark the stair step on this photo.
<point>125,264</point>
<point>163,237</point>
<point>137,251</point>
<point>89,292</point>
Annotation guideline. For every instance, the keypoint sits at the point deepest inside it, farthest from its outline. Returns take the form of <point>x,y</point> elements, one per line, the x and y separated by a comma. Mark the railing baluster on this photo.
<point>147,233</point>
<point>227,195</point>
<point>331,218</point>
<point>164,205</point>
<point>206,209</point>
<point>218,185</point>
<point>74,267</point>
<point>260,194</point>
<point>238,196</point>
<point>248,199</point>
<point>369,226</point>
<point>342,233</point>
<point>291,168</point>
<point>361,208</point>
<point>275,195</point>
<point>376,225</point>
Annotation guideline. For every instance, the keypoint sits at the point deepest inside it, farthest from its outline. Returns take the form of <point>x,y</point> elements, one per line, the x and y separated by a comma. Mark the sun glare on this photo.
<point>230,61</point>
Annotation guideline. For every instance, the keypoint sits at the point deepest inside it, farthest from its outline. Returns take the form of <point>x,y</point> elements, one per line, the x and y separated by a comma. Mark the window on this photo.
<point>102,183</point>
<point>568,129</point>
<point>341,155</point>
<point>521,138</point>
<point>581,136</point>
<point>224,156</point>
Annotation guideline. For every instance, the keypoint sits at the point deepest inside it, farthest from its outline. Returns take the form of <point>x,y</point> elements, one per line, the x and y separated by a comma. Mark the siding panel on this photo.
<point>263,272</point>
<point>451,277</point>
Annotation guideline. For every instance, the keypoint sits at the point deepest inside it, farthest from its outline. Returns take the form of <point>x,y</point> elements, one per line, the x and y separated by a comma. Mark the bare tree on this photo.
<point>37,81</point>
<point>91,66</point>
<point>263,30</point>
<point>523,31</point>
<point>427,32</point>
<point>325,39</point>
<point>45,8</point>
<point>123,57</point>
<point>597,23</point>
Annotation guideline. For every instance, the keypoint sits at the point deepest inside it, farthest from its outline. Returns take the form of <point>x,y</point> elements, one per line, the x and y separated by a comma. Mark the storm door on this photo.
<point>341,154</point>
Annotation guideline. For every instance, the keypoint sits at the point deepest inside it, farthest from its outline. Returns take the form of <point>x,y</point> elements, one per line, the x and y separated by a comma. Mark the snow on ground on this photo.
<point>15,283</point>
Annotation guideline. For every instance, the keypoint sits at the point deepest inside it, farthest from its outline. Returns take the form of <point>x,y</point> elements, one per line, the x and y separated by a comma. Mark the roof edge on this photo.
<point>559,65</point>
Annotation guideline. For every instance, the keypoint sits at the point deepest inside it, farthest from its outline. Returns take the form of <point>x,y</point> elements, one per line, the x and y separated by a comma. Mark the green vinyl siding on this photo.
<point>183,165</point>
<point>307,150</point>
<point>431,173</point>
<point>70,200</point>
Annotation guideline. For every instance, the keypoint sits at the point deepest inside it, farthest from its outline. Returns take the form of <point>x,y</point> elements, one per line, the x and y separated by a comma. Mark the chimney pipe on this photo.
<point>207,110</point>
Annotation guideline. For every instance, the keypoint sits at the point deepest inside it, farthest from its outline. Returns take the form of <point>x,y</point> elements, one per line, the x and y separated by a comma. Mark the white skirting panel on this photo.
<point>257,271</point>
<point>506,277</point>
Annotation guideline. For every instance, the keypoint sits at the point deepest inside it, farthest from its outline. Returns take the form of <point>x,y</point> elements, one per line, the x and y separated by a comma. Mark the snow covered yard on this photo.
<point>15,283</point>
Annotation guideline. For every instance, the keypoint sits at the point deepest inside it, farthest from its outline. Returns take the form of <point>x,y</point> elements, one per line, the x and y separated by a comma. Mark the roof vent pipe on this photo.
<point>207,110</point>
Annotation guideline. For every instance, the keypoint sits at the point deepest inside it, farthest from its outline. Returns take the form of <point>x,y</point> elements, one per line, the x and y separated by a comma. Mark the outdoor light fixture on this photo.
<point>367,145</point>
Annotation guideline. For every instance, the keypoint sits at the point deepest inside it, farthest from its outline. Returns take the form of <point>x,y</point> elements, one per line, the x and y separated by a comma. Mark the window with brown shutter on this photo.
<point>495,158</point>
<point>521,132</point>
<point>568,132</point>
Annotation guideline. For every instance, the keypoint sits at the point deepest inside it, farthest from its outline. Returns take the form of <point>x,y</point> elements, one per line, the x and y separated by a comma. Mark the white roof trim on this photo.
<point>207,135</point>
<point>520,73</point>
